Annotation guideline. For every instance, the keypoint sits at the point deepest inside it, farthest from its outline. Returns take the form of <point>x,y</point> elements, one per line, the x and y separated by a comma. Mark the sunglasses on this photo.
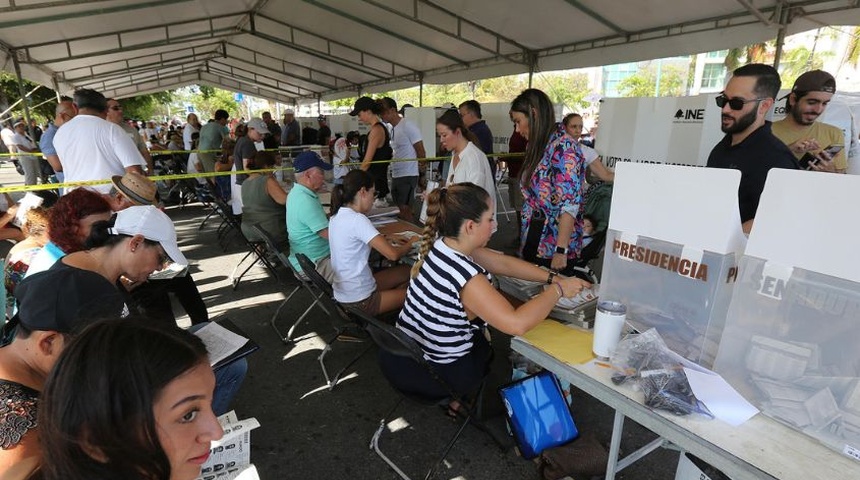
<point>734,103</point>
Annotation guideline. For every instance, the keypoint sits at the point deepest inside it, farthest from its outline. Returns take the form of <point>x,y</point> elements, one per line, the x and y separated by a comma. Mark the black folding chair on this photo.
<point>340,319</point>
<point>396,342</point>
<point>303,282</point>
<point>256,249</point>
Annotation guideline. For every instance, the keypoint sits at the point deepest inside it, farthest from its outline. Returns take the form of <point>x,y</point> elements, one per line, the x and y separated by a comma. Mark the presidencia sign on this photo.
<point>674,130</point>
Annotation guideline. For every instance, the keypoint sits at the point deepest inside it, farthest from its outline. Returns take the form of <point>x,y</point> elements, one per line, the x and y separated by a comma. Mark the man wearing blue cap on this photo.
<point>307,223</point>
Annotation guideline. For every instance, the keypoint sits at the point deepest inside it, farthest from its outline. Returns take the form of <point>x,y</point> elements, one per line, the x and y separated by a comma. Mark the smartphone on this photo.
<point>834,149</point>
<point>808,159</point>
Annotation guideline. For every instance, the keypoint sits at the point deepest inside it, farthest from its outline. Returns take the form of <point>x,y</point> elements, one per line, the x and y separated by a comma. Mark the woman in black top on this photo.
<point>378,144</point>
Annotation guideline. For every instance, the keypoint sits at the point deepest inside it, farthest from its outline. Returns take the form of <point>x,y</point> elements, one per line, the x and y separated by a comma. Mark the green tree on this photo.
<point>644,82</point>
<point>797,61</point>
<point>10,93</point>
<point>569,89</point>
<point>145,107</point>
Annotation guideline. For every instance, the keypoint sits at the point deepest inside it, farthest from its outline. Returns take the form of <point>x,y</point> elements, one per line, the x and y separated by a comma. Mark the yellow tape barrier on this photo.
<point>186,176</point>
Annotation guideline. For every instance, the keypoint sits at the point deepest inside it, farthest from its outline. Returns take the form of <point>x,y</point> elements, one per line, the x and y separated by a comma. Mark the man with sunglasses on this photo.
<point>114,115</point>
<point>749,144</point>
<point>800,130</point>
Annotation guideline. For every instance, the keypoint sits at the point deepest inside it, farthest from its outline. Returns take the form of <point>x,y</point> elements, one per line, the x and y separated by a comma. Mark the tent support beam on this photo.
<point>784,20</point>
<point>402,38</point>
<point>421,90</point>
<point>755,12</point>
<point>23,92</point>
<point>90,13</point>
<point>591,13</point>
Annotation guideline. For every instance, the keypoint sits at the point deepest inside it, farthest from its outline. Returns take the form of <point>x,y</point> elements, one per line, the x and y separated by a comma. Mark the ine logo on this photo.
<point>689,115</point>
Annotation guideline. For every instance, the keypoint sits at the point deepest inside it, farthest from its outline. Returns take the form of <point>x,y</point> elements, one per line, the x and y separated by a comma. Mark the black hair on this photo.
<point>538,109</point>
<point>221,114</point>
<point>345,193</point>
<point>96,415</point>
<point>90,99</point>
<point>472,106</point>
<point>352,135</point>
<point>452,119</point>
<point>263,159</point>
<point>388,103</point>
<point>767,82</point>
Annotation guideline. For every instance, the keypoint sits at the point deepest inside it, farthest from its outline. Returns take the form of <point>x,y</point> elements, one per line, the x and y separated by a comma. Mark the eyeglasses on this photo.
<point>735,103</point>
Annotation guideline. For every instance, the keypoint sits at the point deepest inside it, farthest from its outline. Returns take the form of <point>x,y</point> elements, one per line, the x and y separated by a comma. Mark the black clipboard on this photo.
<point>248,348</point>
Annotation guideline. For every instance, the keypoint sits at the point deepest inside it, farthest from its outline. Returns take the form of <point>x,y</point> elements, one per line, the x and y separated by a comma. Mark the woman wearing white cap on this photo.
<point>138,242</point>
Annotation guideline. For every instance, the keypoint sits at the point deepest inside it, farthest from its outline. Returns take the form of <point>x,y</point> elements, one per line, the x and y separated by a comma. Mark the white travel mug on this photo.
<point>608,323</point>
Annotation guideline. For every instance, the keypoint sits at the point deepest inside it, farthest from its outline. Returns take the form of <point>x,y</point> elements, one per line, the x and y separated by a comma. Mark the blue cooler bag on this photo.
<point>537,413</point>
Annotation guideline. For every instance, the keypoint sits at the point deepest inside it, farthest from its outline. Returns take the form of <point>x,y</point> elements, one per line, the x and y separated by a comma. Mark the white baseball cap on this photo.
<point>154,225</point>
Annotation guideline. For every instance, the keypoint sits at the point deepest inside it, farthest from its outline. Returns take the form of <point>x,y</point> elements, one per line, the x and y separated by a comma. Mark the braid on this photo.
<point>431,229</point>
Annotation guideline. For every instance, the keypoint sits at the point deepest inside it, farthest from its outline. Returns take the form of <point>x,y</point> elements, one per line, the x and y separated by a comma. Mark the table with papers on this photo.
<point>758,448</point>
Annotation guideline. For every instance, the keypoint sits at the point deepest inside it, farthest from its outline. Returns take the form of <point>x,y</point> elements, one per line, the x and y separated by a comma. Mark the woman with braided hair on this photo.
<point>450,296</point>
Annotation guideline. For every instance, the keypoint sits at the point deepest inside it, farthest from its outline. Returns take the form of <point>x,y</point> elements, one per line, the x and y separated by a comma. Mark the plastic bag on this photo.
<point>645,359</point>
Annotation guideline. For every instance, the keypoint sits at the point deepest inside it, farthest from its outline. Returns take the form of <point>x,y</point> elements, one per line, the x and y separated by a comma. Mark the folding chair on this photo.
<point>396,342</point>
<point>303,282</point>
<point>341,320</point>
<point>257,249</point>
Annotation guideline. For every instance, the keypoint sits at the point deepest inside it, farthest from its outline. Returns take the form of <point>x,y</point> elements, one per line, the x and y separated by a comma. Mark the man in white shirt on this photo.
<point>92,148</point>
<point>406,142</point>
<point>6,134</point>
<point>24,144</point>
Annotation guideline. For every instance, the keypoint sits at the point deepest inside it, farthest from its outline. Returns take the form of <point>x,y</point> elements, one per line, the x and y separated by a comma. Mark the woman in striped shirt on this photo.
<point>450,296</point>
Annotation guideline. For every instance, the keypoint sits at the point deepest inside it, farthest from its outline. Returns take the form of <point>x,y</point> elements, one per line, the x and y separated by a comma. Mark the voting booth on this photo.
<point>790,343</point>
<point>674,236</point>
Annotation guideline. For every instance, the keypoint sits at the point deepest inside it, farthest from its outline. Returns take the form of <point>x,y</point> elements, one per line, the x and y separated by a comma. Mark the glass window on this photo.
<point>713,75</point>
<point>718,54</point>
<point>614,74</point>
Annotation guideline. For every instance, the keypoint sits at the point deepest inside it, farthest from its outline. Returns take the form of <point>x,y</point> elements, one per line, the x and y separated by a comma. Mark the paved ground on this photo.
<point>310,432</point>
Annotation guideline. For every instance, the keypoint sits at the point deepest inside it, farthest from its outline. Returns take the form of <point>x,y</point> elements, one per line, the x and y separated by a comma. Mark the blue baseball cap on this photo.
<point>308,160</point>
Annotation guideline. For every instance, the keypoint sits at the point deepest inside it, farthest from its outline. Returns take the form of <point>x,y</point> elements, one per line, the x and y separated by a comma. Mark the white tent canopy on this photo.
<point>305,50</point>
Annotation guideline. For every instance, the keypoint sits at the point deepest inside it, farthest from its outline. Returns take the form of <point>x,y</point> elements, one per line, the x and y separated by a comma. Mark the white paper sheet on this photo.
<point>220,342</point>
<point>230,457</point>
<point>721,399</point>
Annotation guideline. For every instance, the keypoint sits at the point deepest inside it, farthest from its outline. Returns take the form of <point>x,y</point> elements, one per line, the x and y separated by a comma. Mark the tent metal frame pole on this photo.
<point>783,15</point>
<point>23,92</point>
<point>421,90</point>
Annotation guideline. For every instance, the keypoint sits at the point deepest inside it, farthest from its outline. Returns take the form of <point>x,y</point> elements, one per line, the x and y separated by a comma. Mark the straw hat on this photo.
<point>136,187</point>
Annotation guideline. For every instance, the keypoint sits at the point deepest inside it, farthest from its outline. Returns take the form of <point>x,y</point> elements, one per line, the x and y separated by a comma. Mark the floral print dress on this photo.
<point>555,187</point>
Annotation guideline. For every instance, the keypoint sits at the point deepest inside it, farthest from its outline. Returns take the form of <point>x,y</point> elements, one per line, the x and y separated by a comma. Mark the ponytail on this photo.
<point>345,193</point>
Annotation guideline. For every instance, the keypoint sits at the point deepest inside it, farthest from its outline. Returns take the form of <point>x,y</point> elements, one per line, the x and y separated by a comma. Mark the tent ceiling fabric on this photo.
<point>304,50</point>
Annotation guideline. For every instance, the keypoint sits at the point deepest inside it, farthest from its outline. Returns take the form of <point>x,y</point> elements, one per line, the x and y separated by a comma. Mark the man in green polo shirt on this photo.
<point>211,136</point>
<point>307,223</point>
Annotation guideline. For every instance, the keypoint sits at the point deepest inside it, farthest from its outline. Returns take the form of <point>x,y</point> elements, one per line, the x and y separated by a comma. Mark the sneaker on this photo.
<point>380,203</point>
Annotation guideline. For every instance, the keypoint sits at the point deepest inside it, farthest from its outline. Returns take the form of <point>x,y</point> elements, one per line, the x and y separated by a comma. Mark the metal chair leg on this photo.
<point>374,443</point>
<point>273,321</point>
<point>332,381</point>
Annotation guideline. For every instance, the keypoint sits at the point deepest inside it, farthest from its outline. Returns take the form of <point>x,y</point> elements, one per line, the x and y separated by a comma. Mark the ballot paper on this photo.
<point>220,342</point>
<point>230,457</point>
<point>171,271</point>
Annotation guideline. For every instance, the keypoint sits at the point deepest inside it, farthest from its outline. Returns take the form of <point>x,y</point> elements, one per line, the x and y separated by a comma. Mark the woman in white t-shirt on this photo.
<point>468,162</point>
<point>573,126</point>
<point>350,237</point>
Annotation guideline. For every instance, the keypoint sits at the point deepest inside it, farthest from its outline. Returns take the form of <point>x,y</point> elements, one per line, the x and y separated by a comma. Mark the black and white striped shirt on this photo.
<point>433,313</point>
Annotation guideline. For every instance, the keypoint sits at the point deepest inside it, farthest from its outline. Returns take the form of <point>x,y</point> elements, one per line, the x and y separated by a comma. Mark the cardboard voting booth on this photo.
<point>790,343</point>
<point>674,236</point>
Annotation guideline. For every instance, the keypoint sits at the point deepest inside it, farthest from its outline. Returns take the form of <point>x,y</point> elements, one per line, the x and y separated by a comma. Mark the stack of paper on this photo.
<point>578,310</point>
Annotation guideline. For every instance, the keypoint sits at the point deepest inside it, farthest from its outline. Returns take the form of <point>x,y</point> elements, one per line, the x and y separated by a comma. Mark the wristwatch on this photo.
<point>561,250</point>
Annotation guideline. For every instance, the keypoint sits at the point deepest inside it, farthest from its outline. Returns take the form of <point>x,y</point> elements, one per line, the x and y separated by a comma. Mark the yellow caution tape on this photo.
<point>186,176</point>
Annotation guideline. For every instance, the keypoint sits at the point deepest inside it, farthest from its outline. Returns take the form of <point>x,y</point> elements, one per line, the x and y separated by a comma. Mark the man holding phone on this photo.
<point>816,145</point>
